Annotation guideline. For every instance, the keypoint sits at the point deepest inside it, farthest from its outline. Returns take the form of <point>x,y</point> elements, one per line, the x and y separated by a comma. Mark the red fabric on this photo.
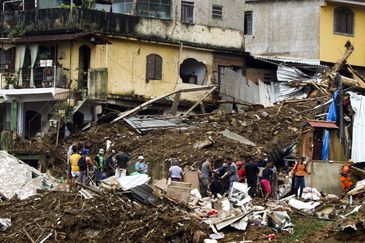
<point>266,185</point>
<point>241,175</point>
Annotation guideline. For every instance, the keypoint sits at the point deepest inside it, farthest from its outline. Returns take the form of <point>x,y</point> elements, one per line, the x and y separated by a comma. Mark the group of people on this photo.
<point>103,165</point>
<point>220,180</point>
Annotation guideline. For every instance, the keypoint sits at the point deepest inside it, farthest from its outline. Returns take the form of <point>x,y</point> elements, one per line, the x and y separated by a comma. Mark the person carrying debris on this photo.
<point>99,166</point>
<point>110,164</point>
<point>265,180</point>
<point>140,166</point>
<point>122,164</point>
<point>74,162</point>
<point>299,171</point>
<point>232,172</point>
<point>252,170</point>
<point>175,172</point>
<point>346,176</point>
<point>206,171</point>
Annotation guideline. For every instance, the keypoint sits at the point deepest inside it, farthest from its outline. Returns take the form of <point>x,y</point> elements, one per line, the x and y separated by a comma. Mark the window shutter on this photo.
<point>150,67</point>
<point>158,67</point>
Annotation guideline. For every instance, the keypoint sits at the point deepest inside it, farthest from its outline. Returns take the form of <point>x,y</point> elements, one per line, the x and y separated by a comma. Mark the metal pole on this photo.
<point>58,130</point>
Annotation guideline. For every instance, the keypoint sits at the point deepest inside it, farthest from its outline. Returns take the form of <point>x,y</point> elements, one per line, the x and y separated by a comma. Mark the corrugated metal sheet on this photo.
<point>280,59</point>
<point>145,124</point>
<point>322,124</point>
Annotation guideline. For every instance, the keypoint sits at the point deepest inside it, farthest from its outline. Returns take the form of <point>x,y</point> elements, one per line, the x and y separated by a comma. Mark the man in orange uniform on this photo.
<point>345,176</point>
<point>299,171</point>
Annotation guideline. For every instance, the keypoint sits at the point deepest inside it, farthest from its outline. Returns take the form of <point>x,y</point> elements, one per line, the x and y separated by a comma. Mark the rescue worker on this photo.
<point>99,166</point>
<point>206,171</point>
<point>299,171</point>
<point>345,176</point>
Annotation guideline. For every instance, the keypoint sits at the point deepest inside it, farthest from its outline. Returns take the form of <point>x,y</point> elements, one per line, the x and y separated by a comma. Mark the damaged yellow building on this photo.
<point>108,55</point>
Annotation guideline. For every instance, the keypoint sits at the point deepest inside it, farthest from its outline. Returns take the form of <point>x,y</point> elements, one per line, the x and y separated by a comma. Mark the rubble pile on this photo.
<point>263,128</point>
<point>66,216</point>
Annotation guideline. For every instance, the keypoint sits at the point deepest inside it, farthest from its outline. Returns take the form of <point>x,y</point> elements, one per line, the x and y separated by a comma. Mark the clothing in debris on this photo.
<point>176,173</point>
<point>346,176</point>
<point>251,175</point>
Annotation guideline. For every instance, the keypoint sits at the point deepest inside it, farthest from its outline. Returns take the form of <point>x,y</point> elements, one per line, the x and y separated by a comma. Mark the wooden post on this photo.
<point>175,105</point>
<point>339,85</point>
<point>58,130</point>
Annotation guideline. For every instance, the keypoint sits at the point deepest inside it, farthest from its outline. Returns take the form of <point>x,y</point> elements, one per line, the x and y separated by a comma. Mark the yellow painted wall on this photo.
<point>126,63</point>
<point>332,45</point>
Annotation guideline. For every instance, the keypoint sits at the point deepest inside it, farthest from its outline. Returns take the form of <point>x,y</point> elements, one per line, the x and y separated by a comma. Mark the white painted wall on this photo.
<point>284,28</point>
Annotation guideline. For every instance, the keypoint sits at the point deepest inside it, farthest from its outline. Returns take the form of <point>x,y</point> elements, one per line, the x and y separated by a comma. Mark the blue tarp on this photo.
<point>331,116</point>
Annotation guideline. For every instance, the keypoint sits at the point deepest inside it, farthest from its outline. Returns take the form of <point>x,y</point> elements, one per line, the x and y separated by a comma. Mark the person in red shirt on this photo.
<point>241,171</point>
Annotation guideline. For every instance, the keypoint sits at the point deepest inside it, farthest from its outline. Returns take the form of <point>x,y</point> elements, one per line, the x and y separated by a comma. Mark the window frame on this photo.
<point>245,29</point>
<point>156,66</point>
<point>217,11</point>
<point>187,5</point>
<point>336,13</point>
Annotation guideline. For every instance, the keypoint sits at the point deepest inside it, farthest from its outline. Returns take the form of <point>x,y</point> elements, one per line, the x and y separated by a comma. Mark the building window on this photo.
<point>187,12</point>
<point>122,6</point>
<point>344,21</point>
<point>154,8</point>
<point>217,12</point>
<point>248,23</point>
<point>7,60</point>
<point>154,67</point>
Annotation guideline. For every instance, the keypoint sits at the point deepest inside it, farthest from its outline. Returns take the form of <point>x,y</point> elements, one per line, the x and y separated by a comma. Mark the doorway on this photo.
<point>33,123</point>
<point>84,65</point>
<point>78,119</point>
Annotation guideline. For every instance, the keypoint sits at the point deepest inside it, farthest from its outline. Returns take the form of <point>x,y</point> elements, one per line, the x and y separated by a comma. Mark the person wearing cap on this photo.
<point>84,161</point>
<point>110,164</point>
<point>299,171</point>
<point>140,166</point>
<point>99,166</point>
<point>175,172</point>
<point>346,176</point>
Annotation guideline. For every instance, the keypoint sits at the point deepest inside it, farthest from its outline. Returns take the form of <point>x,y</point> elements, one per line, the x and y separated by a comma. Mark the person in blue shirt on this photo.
<point>140,165</point>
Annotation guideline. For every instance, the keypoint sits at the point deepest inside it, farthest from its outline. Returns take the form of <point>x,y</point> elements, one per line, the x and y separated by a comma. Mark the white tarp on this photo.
<point>358,128</point>
<point>18,178</point>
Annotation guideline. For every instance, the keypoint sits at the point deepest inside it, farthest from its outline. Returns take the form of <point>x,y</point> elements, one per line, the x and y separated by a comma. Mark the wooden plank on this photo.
<point>175,105</point>
<point>200,100</point>
<point>140,107</point>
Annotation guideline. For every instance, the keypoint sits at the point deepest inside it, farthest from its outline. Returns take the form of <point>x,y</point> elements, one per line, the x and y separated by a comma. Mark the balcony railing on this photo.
<point>44,77</point>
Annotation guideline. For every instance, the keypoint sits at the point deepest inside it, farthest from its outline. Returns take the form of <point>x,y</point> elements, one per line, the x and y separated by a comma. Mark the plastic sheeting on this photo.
<point>358,129</point>
<point>331,116</point>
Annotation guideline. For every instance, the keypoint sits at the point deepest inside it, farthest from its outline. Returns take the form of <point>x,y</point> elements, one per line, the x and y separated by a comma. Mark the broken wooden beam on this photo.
<point>200,100</point>
<point>147,103</point>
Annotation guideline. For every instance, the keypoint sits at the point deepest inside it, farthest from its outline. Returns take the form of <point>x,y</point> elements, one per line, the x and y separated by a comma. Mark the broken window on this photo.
<point>193,72</point>
<point>248,23</point>
<point>187,12</point>
<point>154,67</point>
<point>217,12</point>
<point>344,21</point>
<point>154,8</point>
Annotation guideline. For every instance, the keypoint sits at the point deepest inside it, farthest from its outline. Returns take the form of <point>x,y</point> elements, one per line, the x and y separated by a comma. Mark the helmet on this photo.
<point>140,157</point>
<point>225,165</point>
<point>239,163</point>
<point>101,151</point>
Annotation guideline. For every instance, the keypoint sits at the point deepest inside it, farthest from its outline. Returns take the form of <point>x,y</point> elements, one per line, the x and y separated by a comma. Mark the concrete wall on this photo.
<point>325,176</point>
<point>332,45</point>
<point>233,13</point>
<point>284,28</point>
